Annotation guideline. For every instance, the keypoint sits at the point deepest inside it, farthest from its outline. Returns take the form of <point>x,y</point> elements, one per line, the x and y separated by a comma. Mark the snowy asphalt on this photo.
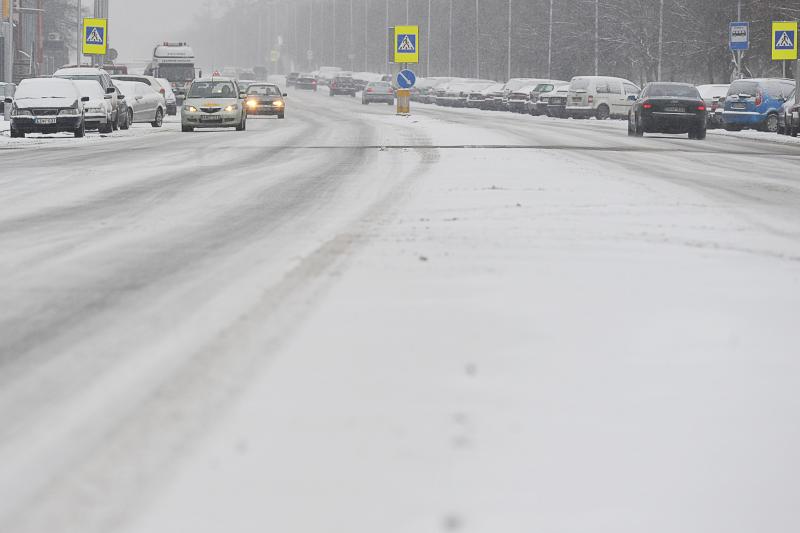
<point>256,331</point>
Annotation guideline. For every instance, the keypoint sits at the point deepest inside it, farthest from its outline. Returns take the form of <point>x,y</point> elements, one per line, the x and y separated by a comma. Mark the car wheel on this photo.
<point>281,115</point>
<point>115,122</point>
<point>17,134</point>
<point>602,112</point>
<point>130,117</point>
<point>123,122</point>
<point>631,132</point>
<point>771,124</point>
<point>242,125</point>
<point>187,129</point>
<point>81,131</point>
<point>638,127</point>
<point>700,133</point>
<point>353,95</point>
<point>159,121</point>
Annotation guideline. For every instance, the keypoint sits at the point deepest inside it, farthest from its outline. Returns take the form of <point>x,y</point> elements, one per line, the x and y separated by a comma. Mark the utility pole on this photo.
<point>450,44</point>
<point>350,53</point>
<point>366,35</point>
<point>408,12</point>
<point>477,38</point>
<point>660,36</point>
<point>10,46</point>
<point>596,37</point>
<point>79,33</point>
<point>508,70</point>
<point>333,63</point>
<point>550,44</point>
<point>428,44</point>
<point>386,31</point>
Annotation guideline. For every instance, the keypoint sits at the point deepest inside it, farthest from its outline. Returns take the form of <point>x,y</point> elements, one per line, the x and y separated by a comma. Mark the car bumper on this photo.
<point>378,98</point>
<point>660,122</point>
<point>742,117</point>
<point>62,124</point>
<point>215,120</point>
<point>579,111</point>
<point>517,105</point>
<point>94,121</point>
<point>265,110</point>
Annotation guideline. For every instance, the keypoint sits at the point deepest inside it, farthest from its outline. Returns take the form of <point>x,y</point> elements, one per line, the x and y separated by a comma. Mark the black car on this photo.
<point>291,78</point>
<point>265,99</point>
<point>668,108</point>
<point>47,105</point>
<point>306,82</point>
<point>343,85</point>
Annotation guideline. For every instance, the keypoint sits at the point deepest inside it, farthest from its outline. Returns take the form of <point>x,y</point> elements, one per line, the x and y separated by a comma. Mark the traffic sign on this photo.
<point>274,56</point>
<point>310,55</point>
<point>406,44</point>
<point>95,37</point>
<point>739,36</point>
<point>784,41</point>
<point>406,79</point>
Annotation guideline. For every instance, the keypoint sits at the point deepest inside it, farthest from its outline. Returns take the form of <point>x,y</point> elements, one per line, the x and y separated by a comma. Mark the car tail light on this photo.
<point>163,92</point>
<point>701,107</point>
<point>591,99</point>
<point>647,105</point>
<point>369,90</point>
<point>759,97</point>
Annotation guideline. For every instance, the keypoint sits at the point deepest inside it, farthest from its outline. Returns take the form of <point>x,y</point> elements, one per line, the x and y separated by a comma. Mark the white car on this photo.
<point>553,103</point>
<point>169,96</point>
<point>601,97</point>
<point>98,110</point>
<point>144,103</point>
<point>214,103</point>
<point>714,97</point>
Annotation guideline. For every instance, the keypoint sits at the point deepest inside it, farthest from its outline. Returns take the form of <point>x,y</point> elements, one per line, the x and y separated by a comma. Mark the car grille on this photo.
<point>558,100</point>
<point>210,109</point>
<point>45,112</point>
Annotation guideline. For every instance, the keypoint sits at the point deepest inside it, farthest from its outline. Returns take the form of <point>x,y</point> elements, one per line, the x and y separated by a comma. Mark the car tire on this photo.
<point>353,95</point>
<point>638,127</point>
<point>17,134</point>
<point>242,125</point>
<point>281,116</point>
<point>700,133</point>
<point>124,123</point>
<point>115,122</point>
<point>159,121</point>
<point>602,113</point>
<point>130,117</point>
<point>81,131</point>
<point>771,124</point>
<point>631,131</point>
<point>187,129</point>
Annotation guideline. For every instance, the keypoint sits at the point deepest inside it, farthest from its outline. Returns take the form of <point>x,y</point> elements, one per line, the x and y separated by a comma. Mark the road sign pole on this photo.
<point>8,75</point>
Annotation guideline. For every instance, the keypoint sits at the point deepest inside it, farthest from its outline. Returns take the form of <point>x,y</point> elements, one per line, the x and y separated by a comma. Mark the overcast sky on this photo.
<point>136,26</point>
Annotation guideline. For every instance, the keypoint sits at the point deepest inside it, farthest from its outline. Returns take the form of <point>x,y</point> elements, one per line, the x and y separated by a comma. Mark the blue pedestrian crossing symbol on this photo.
<point>95,35</point>
<point>407,43</point>
<point>784,40</point>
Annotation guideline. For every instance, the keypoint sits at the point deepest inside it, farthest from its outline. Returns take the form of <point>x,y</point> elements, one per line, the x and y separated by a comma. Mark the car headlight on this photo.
<point>251,103</point>
<point>22,112</point>
<point>190,108</point>
<point>278,103</point>
<point>70,111</point>
<point>230,108</point>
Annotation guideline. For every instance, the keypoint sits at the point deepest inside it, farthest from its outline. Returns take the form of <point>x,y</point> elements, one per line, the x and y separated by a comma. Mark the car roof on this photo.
<point>80,70</point>
<point>214,79</point>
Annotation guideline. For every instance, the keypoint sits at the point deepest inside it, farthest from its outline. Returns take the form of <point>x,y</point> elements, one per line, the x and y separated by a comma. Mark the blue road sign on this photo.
<point>406,79</point>
<point>739,36</point>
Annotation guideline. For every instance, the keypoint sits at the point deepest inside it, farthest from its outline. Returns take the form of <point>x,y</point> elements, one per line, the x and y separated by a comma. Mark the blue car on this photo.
<point>755,104</point>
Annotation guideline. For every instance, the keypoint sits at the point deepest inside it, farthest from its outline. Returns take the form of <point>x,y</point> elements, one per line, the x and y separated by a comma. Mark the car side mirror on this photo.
<point>632,97</point>
<point>285,94</point>
<point>111,90</point>
<point>120,97</point>
<point>8,101</point>
<point>84,99</point>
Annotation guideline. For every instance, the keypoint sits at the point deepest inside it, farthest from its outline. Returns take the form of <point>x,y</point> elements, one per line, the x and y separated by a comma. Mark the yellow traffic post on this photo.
<point>403,101</point>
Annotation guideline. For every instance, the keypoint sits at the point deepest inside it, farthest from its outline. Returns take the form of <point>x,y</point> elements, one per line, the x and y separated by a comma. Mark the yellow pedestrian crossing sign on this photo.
<point>95,37</point>
<point>784,41</point>
<point>406,44</point>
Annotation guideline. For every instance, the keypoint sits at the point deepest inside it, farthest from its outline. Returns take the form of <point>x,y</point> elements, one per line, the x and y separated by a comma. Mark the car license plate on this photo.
<point>739,106</point>
<point>576,99</point>
<point>49,120</point>
<point>210,118</point>
<point>675,109</point>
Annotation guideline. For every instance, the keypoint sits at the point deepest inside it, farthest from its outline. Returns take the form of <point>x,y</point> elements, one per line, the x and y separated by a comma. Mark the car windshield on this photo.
<point>80,77</point>
<point>749,88</point>
<point>133,78</point>
<point>212,89</point>
<point>263,90</point>
<point>677,91</point>
<point>544,87</point>
<point>176,73</point>
<point>45,88</point>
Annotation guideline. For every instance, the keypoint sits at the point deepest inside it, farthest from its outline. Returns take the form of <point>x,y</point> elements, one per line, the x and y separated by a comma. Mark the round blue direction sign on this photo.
<point>406,79</point>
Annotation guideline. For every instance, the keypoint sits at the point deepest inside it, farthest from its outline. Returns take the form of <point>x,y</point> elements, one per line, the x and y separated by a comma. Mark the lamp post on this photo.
<point>596,37</point>
<point>8,75</point>
<point>550,44</point>
<point>450,43</point>
<point>428,44</point>
<point>508,70</point>
<point>477,38</point>
<point>660,36</point>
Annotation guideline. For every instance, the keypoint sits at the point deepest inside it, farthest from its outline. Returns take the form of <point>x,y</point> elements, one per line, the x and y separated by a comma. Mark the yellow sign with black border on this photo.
<point>784,41</point>
<point>95,37</point>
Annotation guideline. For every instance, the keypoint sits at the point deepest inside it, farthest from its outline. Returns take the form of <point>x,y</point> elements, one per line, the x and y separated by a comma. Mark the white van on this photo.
<point>601,97</point>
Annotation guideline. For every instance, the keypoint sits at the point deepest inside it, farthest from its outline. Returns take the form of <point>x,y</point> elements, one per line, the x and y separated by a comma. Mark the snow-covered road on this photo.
<point>353,322</point>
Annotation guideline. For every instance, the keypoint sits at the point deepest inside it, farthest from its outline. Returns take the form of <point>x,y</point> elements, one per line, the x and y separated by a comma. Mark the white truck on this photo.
<point>176,63</point>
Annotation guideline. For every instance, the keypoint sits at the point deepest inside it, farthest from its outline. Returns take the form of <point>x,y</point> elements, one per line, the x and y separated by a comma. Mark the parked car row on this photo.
<point>77,99</point>
<point>762,104</point>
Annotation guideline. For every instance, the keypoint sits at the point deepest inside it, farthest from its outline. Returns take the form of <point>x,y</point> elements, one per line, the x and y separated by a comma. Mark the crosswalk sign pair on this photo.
<point>406,44</point>
<point>95,36</point>
<point>784,41</point>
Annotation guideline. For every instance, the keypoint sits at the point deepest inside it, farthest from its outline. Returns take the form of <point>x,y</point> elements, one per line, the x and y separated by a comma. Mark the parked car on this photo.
<point>554,103</point>
<point>540,89</point>
<point>601,97</point>
<point>785,115</point>
<point>476,98</point>
<point>145,105</point>
<point>214,103</point>
<point>794,123</point>
<point>265,99</point>
<point>342,85</point>
<point>170,98</point>
<point>97,111</point>
<point>755,103</point>
<point>427,94</point>
<point>668,108</point>
<point>291,78</point>
<point>498,100</point>
<point>714,97</point>
<point>2,96</point>
<point>519,99</point>
<point>378,92</point>
<point>306,82</point>
<point>47,105</point>
<point>100,76</point>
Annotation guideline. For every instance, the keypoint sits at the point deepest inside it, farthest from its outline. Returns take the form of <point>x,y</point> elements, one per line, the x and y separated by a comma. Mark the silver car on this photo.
<point>144,103</point>
<point>214,103</point>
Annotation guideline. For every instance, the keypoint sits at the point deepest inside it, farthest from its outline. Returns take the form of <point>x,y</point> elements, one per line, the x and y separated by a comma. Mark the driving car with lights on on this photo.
<point>265,99</point>
<point>214,103</point>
